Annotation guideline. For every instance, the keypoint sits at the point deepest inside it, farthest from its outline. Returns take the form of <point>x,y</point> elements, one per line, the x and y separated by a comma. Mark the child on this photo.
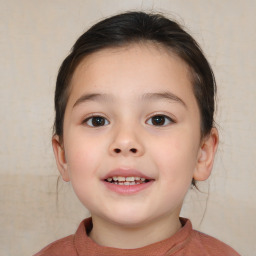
<point>134,128</point>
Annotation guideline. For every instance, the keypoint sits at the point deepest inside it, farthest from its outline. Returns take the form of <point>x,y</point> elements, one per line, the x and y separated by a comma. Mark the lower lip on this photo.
<point>128,189</point>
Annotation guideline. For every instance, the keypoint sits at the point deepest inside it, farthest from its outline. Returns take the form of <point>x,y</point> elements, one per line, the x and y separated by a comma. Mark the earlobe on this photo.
<point>206,156</point>
<point>60,157</point>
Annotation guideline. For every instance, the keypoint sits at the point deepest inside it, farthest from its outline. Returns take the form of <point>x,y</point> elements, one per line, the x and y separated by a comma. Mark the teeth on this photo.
<point>129,183</point>
<point>119,180</point>
<point>129,178</point>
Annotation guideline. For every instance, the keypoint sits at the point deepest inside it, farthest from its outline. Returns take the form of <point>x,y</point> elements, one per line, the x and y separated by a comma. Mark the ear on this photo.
<point>60,157</point>
<point>206,156</point>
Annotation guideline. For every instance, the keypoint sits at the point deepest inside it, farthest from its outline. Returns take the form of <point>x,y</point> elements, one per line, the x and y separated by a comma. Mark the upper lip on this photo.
<point>126,172</point>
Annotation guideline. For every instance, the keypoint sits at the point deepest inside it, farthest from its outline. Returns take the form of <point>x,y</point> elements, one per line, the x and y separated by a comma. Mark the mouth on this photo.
<point>127,181</point>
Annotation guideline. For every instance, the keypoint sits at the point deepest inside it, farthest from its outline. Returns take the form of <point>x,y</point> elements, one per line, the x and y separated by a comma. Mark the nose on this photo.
<point>126,143</point>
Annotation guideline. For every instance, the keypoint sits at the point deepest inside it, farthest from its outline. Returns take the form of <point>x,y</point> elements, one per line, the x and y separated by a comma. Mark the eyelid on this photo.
<point>169,115</point>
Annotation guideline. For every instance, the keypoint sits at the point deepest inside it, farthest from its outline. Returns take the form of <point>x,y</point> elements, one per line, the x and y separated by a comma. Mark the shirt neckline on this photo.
<point>84,244</point>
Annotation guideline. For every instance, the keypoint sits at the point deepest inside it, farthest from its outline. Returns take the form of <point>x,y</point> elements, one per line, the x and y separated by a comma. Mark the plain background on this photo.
<point>36,35</point>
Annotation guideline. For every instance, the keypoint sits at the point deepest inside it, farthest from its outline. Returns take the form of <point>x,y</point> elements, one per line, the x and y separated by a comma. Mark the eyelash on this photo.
<point>166,118</point>
<point>101,118</point>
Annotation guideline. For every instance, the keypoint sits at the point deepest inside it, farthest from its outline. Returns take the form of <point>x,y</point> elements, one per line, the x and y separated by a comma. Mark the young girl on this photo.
<point>134,129</point>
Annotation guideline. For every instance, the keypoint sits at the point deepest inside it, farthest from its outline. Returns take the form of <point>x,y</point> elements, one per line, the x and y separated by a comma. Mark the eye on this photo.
<point>96,121</point>
<point>159,120</point>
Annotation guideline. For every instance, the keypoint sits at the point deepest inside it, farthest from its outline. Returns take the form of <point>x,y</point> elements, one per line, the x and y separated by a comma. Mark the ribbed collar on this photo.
<point>86,246</point>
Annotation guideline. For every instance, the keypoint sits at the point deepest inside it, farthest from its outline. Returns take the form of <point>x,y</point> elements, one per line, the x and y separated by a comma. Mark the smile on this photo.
<point>119,180</point>
<point>127,181</point>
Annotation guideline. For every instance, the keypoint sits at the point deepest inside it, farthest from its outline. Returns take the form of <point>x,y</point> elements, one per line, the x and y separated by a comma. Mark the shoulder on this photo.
<point>61,247</point>
<point>209,245</point>
<point>70,245</point>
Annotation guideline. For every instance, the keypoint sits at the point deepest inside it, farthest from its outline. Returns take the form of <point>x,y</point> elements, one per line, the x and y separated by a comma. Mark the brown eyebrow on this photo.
<point>92,97</point>
<point>163,95</point>
<point>147,96</point>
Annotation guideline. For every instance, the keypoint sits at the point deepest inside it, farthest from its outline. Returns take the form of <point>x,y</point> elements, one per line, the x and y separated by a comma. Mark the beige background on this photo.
<point>35,37</point>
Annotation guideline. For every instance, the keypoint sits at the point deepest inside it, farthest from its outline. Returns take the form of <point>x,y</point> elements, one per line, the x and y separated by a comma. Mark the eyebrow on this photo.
<point>92,97</point>
<point>147,96</point>
<point>163,95</point>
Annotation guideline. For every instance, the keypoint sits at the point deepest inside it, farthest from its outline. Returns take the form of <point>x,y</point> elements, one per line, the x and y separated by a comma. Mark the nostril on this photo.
<point>117,150</point>
<point>134,150</point>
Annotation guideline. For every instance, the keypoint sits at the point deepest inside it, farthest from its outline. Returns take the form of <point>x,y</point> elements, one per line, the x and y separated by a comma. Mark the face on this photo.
<point>131,142</point>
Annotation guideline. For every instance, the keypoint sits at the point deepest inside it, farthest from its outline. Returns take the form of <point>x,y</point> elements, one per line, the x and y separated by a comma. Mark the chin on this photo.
<point>129,222</point>
<point>128,219</point>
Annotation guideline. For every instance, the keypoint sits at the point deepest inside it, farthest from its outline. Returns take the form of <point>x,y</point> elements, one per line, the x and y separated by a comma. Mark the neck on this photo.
<point>111,234</point>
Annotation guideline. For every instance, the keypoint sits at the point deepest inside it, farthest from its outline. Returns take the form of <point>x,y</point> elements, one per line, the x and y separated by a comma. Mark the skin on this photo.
<point>171,154</point>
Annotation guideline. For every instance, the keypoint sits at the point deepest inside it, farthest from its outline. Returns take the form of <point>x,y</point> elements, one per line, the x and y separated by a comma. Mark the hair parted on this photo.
<point>139,27</point>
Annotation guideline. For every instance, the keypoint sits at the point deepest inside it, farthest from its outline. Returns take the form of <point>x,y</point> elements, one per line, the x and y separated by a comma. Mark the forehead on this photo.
<point>144,66</point>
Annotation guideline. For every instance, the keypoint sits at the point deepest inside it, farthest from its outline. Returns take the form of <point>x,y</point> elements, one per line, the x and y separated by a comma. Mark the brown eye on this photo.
<point>96,121</point>
<point>159,120</point>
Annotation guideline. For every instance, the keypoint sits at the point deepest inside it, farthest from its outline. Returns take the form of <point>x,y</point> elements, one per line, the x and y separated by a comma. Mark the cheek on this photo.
<point>176,156</point>
<point>176,164</point>
<point>83,160</point>
<point>82,155</point>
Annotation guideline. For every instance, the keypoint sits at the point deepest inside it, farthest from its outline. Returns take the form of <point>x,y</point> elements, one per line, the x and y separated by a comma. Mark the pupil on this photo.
<point>158,120</point>
<point>98,121</point>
